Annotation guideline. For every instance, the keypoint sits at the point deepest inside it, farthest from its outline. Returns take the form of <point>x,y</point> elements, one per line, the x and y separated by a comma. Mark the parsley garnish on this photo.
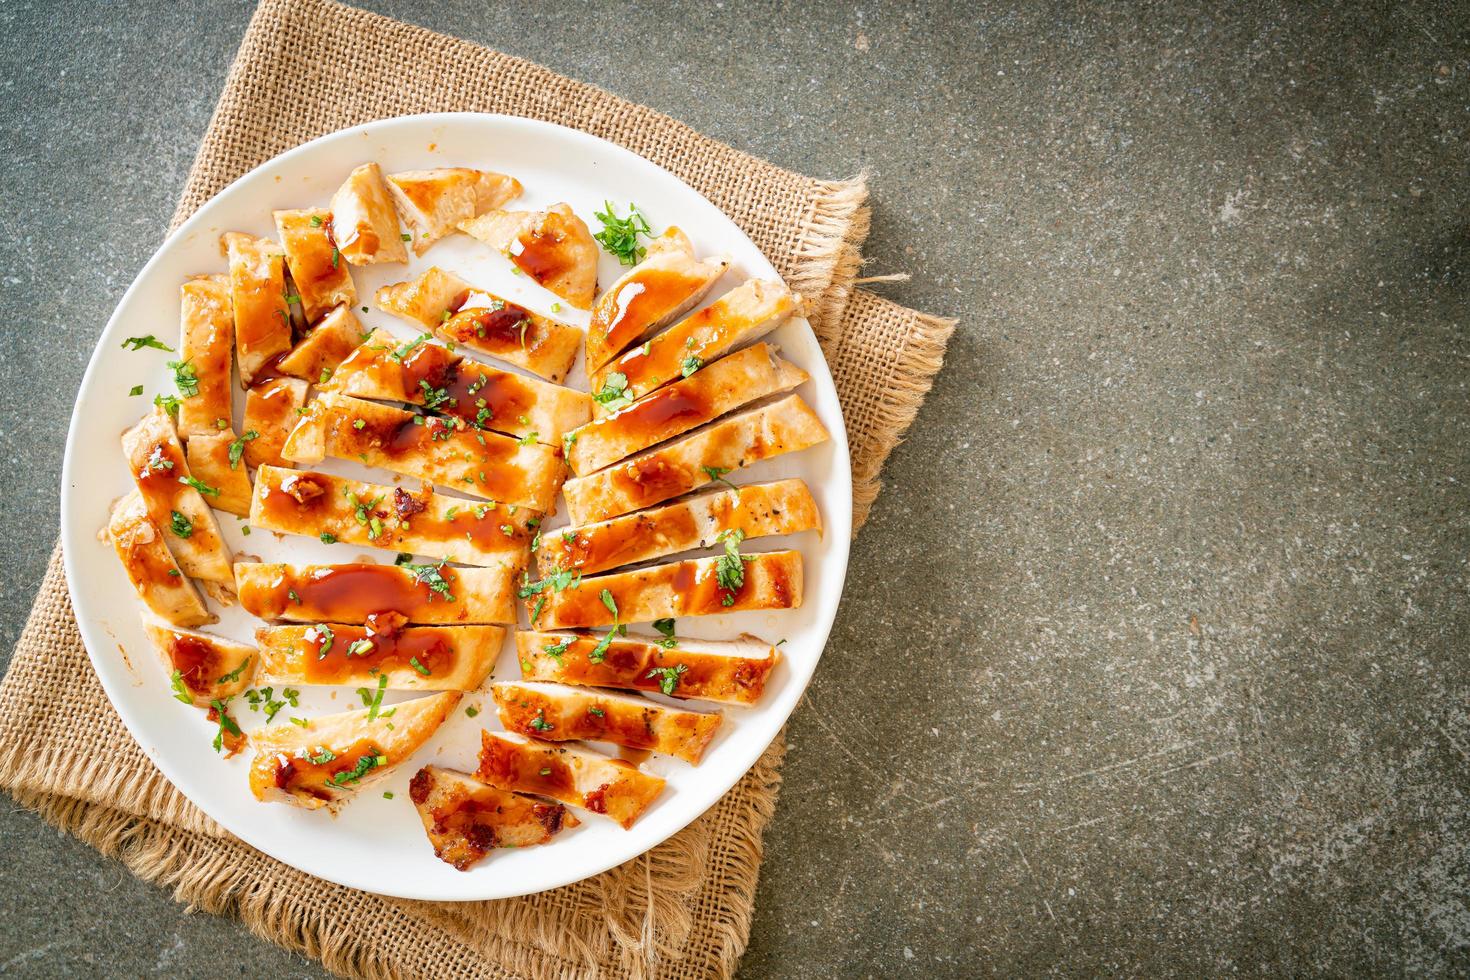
<point>599,652</point>
<point>179,524</point>
<point>433,577</point>
<point>323,634</point>
<point>414,663</point>
<point>360,648</point>
<point>138,343</point>
<point>237,448</point>
<point>668,677</point>
<point>555,650</point>
<point>717,475</point>
<point>614,392</point>
<point>690,365</point>
<point>168,403</point>
<point>529,439</point>
<point>226,723</point>
<point>291,593</point>
<point>434,397</point>
<point>136,390</point>
<point>186,379</point>
<point>730,570</point>
<point>180,692</point>
<point>234,675</point>
<point>377,701</point>
<point>666,627</point>
<point>326,756</point>
<point>539,723</point>
<point>199,485</point>
<point>365,765</point>
<point>327,538</point>
<point>406,349</point>
<point>620,235</point>
<point>558,581</point>
<point>471,711</point>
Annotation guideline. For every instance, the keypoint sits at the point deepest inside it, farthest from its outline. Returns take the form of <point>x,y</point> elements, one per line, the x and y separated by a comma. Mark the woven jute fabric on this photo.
<point>309,67</point>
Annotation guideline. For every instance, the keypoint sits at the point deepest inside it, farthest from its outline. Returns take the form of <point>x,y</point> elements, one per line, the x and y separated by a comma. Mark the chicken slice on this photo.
<point>728,671</point>
<point>203,667</point>
<point>555,712</point>
<point>466,819</point>
<point>416,658</point>
<point>756,510</point>
<point>364,222</point>
<point>168,489</point>
<point>215,459</point>
<point>207,328</point>
<point>322,279</point>
<point>258,293</point>
<point>150,566</point>
<point>272,408</point>
<point>668,283</point>
<point>334,508</point>
<point>695,587</point>
<point>553,247</point>
<point>568,773</point>
<point>694,460</point>
<point>325,346</point>
<point>433,202</point>
<point>330,758</point>
<point>431,595</point>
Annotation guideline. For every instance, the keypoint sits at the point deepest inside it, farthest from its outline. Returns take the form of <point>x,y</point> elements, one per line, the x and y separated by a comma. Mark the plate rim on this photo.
<point>842,469</point>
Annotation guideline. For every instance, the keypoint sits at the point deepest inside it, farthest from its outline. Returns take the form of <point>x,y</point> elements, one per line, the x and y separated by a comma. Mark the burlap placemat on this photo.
<point>308,67</point>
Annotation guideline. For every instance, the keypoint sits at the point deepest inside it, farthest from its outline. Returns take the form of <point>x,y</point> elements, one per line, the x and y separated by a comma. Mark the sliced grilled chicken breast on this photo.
<point>430,448</point>
<point>747,312</point>
<point>731,672</point>
<point>433,202</point>
<point>467,819</point>
<point>202,667</point>
<point>668,283</point>
<point>163,479</point>
<point>364,222</point>
<point>272,408</point>
<point>771,580</point>
<point>207,326</point>
<point>485,397</point>
<point>378,595</point>
<point>557,713</point>
<point>332,757</point>
<point>421,658</point>
<point>739,379</point>
<point>694,460</point>
<point>483,322</point>
<point>554,247</point>
<point>567,773</point>
<point>323,280</point>
<point>150,566</point>
<point>757,510</point>
<point>258,295</point>
<point>211,462</point>
<point>334,508</point>
<point>326,345</point>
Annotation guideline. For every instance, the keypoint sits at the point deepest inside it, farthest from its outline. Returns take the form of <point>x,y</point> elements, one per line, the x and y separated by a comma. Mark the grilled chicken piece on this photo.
<point>334,508</point>
<point>694,460</point>
<point>553,247</point>
<point>743,377</point>
<point>757,510</point>
<point>557,713</point>
<point>416,658</point>
<point>772,580</point>
<point>668,283</point>
<point>332,757</point>
<point>322,279</point>
<point>156,577</point>
<point>210,462</point>
<point>429,448</point>
<point>747,312</point>
<point>458,312</point>
<point>466,819</point>
<point>203,667</point>
<point>433,202</point>
<point>731,672</point>
<point>258,293</point>
<point>364,223</point>
<point>569,774</point>
<point>272,408</point>
<point>162,476</point>
<point>379,595</point>
<point>325,346</point>
<point>489,398</point>
<point>207,325</point>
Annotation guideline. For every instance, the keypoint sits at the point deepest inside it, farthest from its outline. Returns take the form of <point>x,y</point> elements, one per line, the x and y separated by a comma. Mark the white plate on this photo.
<point>377,844</point>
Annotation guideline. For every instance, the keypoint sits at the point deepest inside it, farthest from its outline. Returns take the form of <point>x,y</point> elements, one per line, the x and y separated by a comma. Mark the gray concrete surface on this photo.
<point>1153,655</point>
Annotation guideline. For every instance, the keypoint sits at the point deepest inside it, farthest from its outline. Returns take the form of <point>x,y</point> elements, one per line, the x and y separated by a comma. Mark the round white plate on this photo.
<point>374,843</point>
